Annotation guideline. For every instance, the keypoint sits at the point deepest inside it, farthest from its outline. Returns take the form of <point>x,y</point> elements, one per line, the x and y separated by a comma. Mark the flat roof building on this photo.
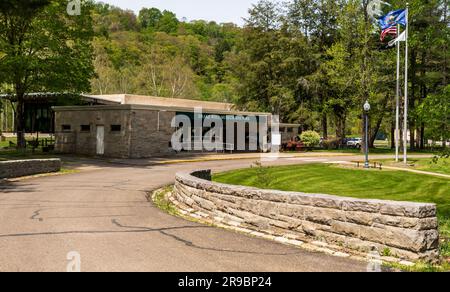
<point>133,126</point>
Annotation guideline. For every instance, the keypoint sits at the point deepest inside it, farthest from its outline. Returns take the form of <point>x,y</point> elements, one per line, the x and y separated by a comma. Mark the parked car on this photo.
<point>354,142</point>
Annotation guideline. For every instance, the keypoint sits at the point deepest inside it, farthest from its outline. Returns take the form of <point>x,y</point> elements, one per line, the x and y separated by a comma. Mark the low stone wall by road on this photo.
<point>398,229</point>
<point>18,168</point>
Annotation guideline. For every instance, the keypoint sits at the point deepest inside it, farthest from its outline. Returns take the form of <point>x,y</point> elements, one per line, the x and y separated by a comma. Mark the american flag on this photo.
<point>388,31</point>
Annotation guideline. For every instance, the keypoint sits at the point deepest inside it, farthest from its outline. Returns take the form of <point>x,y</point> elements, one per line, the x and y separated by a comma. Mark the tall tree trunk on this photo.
<point>374,132</point>
<point>422,136</point>
<point>20,122</point>
<point>423,96</point>
<point>412,131</point>
<point>325,125</point>
<point>340,126</point>
<point>445,46</point>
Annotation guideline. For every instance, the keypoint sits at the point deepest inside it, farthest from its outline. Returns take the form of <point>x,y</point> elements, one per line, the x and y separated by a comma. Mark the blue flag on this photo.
<point>393,18</point>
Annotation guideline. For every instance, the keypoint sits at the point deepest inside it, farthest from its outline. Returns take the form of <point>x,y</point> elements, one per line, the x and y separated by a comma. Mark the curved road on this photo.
<point>103,214</point>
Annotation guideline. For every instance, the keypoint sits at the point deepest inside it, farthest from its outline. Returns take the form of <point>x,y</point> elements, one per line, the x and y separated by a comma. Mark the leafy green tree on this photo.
<point>315,20</point>
<point>356,71</point>
<point>435,110</point>
<point>429,40</point>
<point>265,15</point>
<point>109,19</point>
<point>302,14</point>
<point>260,68</point>
<point>45,50</point>
<point>149,17</point>
<point>168,22</point>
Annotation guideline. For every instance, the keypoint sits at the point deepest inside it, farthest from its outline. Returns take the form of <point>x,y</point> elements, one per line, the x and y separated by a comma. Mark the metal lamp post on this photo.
<point>366,117</point>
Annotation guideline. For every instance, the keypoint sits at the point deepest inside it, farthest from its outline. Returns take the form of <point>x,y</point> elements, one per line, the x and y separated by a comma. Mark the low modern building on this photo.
<point>131,126</point>
<point>39,116</point>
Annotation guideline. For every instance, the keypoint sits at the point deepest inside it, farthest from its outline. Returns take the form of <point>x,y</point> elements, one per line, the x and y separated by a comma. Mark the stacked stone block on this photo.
<point>401,229</point>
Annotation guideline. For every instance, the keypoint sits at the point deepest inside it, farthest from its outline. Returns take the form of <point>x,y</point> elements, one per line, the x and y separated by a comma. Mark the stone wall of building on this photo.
<point>143,132</point>
<point>400,229</point>
<point>81,141</point>
<point>18,168</point>
<point>151,133</point>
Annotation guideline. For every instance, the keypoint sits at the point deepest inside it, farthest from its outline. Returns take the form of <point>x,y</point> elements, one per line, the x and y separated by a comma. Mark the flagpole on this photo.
<point>405,122</point>
<point>397,102</point>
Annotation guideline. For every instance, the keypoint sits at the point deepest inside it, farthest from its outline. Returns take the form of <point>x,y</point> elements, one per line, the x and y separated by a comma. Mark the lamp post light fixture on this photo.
<point>366,117</point>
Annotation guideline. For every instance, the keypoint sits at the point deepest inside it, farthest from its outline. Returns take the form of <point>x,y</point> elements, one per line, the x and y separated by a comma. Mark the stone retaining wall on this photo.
<point>18,168</point>
<point>400,229</point>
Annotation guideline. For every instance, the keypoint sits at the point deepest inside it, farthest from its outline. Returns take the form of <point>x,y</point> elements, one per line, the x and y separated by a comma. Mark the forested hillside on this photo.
<point>313,62</point>
<point>155,53</point>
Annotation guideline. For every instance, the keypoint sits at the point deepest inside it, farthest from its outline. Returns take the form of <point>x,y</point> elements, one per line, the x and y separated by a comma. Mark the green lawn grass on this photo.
<point>441,166</point>
<point>358,183</point>
<point>7,153</point>
<point>377,150</point>
<point>26,154</point>
<point>5,143</point>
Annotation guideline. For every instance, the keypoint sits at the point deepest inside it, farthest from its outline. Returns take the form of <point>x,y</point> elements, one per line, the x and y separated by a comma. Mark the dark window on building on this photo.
<point>282,130</point>
<point>116,128</point>
<point>290,130</point>
<point>66,128</point>
<point>85,128</point>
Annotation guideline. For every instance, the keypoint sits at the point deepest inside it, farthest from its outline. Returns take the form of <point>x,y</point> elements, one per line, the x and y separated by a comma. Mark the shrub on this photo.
<point>263,177</point>
<point>331,144</point>
<point>310,138</point>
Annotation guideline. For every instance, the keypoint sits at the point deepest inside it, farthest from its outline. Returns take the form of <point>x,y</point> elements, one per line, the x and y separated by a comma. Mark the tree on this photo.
<point>302,14</point>
<point>260,66</point>
<point>317,21</point>
<point>46,50</point>
<point>149,17</point>
<point>435,112</point>
<point>429,40</point>
<point>168,22</point>
<point>264,15</point>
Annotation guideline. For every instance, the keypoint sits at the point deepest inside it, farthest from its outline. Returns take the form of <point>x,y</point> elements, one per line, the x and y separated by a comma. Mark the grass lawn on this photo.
<point>376,150</point>
<point>28,154</point>
<point>426,164</point>
<point>358,183</point>
<point>13,154</point>
<point>6,142</point>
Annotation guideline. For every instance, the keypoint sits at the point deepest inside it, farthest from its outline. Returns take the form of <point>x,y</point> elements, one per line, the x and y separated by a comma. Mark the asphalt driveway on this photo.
<point>102,214</point>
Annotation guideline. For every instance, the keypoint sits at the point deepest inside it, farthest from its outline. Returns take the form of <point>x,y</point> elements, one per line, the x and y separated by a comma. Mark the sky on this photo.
<point>217,10</point>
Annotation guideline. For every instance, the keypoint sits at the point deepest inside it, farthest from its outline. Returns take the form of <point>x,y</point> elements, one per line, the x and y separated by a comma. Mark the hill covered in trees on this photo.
<point>154,53</point>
